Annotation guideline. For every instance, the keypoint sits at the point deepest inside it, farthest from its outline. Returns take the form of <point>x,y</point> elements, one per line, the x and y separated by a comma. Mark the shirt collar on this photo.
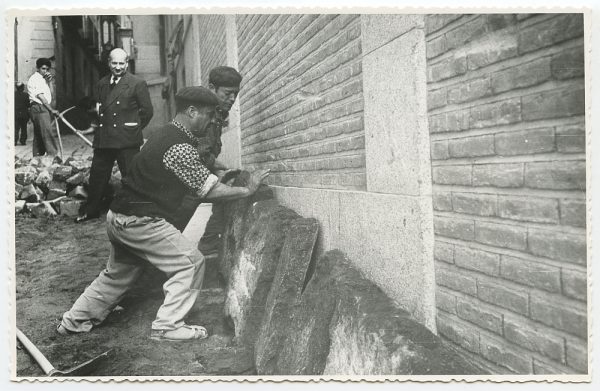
<point>115,79</point>
<point>185,130</point>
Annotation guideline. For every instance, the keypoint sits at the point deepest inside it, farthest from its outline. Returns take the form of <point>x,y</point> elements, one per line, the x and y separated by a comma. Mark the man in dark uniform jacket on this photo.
<point>21,113</point>
<point>124,110</point>
<point>140,223</point>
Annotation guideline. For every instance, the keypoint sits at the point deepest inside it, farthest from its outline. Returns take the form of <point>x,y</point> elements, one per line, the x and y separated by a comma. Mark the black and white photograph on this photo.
<point>299,195</point>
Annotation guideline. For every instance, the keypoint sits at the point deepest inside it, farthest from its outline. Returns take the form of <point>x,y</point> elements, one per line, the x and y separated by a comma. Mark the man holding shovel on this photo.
<point>41,111</point>
<point>140,223</point>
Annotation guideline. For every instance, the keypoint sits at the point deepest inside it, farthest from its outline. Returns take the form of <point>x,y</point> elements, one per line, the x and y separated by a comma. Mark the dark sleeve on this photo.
<point>144,102</point>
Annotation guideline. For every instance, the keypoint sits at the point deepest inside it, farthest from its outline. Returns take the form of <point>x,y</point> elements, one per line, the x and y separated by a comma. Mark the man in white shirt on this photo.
<point>41,111</point>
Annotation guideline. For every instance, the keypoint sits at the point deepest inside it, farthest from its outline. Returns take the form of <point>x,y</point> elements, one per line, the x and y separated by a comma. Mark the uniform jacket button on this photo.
<point>114,125</point>
<point>118,102</point>
<point>100,125</point>
<point>101,115</point>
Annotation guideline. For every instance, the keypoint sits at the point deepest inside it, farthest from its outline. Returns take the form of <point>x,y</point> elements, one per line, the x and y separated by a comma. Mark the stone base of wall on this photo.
<point>387,236</point>
<point>299,314</point>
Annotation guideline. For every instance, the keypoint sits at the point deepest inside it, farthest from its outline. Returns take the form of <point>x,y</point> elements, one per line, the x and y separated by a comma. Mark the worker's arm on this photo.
<point>221,192</point>
<point>47,105</point>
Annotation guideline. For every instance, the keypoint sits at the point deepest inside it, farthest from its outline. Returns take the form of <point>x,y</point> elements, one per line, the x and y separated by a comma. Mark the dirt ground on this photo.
<point>56,259</point>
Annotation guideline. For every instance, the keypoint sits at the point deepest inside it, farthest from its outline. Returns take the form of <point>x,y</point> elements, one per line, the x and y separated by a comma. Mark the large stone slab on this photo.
<point>305,349</point>
<point>235,223</point>
<point>370,335</point>
<point>345,325</point>
<point>253,268</point>
<point>285,293</point>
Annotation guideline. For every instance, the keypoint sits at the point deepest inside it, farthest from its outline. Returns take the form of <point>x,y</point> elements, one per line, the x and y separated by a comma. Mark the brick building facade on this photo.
<point>444,154</point>
<point>506,116</point>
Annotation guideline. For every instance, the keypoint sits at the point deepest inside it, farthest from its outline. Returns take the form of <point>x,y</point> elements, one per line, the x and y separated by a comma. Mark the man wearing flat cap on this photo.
<point>225,82</point>
<point>40,97</point>
<point>141,217</point>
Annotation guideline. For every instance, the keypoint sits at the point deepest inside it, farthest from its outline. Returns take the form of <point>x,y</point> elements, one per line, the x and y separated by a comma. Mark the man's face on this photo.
<point>118,63</point>
<point>226,95</point>
<point>44,70</point>
<point>201,118</point>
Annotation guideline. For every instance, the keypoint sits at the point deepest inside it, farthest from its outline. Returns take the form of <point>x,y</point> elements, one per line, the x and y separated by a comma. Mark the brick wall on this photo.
<point>212,44</point>
<point>506,117</point>
<point>301,99</point>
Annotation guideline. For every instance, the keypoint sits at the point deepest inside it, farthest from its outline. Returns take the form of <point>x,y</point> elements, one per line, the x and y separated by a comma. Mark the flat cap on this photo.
<point>197,96</point>
<point>224,76</point>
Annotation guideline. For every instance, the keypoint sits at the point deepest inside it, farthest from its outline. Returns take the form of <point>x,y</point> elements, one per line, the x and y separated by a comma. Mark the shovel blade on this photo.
<point>82,369</point>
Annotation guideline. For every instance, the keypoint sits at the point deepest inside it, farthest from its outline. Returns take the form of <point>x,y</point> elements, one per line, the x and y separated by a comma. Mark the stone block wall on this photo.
<point>301,100</point>
<point>506,119</point>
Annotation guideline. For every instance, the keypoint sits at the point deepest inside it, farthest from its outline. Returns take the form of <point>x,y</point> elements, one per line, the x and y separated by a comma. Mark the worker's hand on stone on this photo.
<point>256,178</point>
<point>227,176</point>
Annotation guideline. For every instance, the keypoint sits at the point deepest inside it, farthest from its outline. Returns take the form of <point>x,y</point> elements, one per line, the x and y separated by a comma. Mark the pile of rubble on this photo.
<point>46,186</point>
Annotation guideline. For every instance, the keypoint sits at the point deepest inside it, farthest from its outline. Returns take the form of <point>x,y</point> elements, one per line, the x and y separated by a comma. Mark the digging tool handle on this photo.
<point>35,353</point>
<point>88,142</point>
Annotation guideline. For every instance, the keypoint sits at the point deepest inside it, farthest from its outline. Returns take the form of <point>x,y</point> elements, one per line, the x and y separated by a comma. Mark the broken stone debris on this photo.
<point>42,184</point>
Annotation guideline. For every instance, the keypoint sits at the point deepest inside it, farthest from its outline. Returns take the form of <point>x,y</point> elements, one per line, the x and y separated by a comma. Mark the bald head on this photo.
<point>118,62</point>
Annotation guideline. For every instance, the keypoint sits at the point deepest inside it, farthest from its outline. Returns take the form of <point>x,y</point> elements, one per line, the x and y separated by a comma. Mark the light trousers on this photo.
<point>135,240</point>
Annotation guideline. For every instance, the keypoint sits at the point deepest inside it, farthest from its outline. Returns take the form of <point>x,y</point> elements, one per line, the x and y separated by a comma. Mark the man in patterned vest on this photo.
<point>141,217</point>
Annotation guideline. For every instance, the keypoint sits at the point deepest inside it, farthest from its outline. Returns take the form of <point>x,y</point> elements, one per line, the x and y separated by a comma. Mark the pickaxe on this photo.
<point>77,132</point>
<point>79,370</point>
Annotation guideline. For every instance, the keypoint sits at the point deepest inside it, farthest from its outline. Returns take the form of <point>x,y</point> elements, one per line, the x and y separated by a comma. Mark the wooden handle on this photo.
<point>77,132</point>
<point>35,353</point>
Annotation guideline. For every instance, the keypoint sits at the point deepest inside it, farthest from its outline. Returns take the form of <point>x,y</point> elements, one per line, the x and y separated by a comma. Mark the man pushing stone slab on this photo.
<point>141,223</point>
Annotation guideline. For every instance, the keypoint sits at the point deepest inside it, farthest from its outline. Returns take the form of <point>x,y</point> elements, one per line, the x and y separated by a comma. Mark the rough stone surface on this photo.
<point>76,179</point>
<point>54,194</point>
<point>70,207</point>
<point>79,165</point>
<point>370,335</point>
<point>115,181</point>
<point>42,209</point>
<point>25,175</point>
<point>29,193</point>
<point>254,265</point>
<point>62,173</point>
<point>60,185</point>
<point>398,158</point>
<point>345,325</point>
<point>306,347</point>
<point>43,178</point>
<point>19,206</point>
<point>285,292</point>
<point>235,223</point>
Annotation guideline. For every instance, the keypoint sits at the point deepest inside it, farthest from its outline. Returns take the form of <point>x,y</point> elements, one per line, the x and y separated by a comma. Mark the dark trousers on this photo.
<point>21,127</point>
<point>43,137</point>
<point>101,171</point>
